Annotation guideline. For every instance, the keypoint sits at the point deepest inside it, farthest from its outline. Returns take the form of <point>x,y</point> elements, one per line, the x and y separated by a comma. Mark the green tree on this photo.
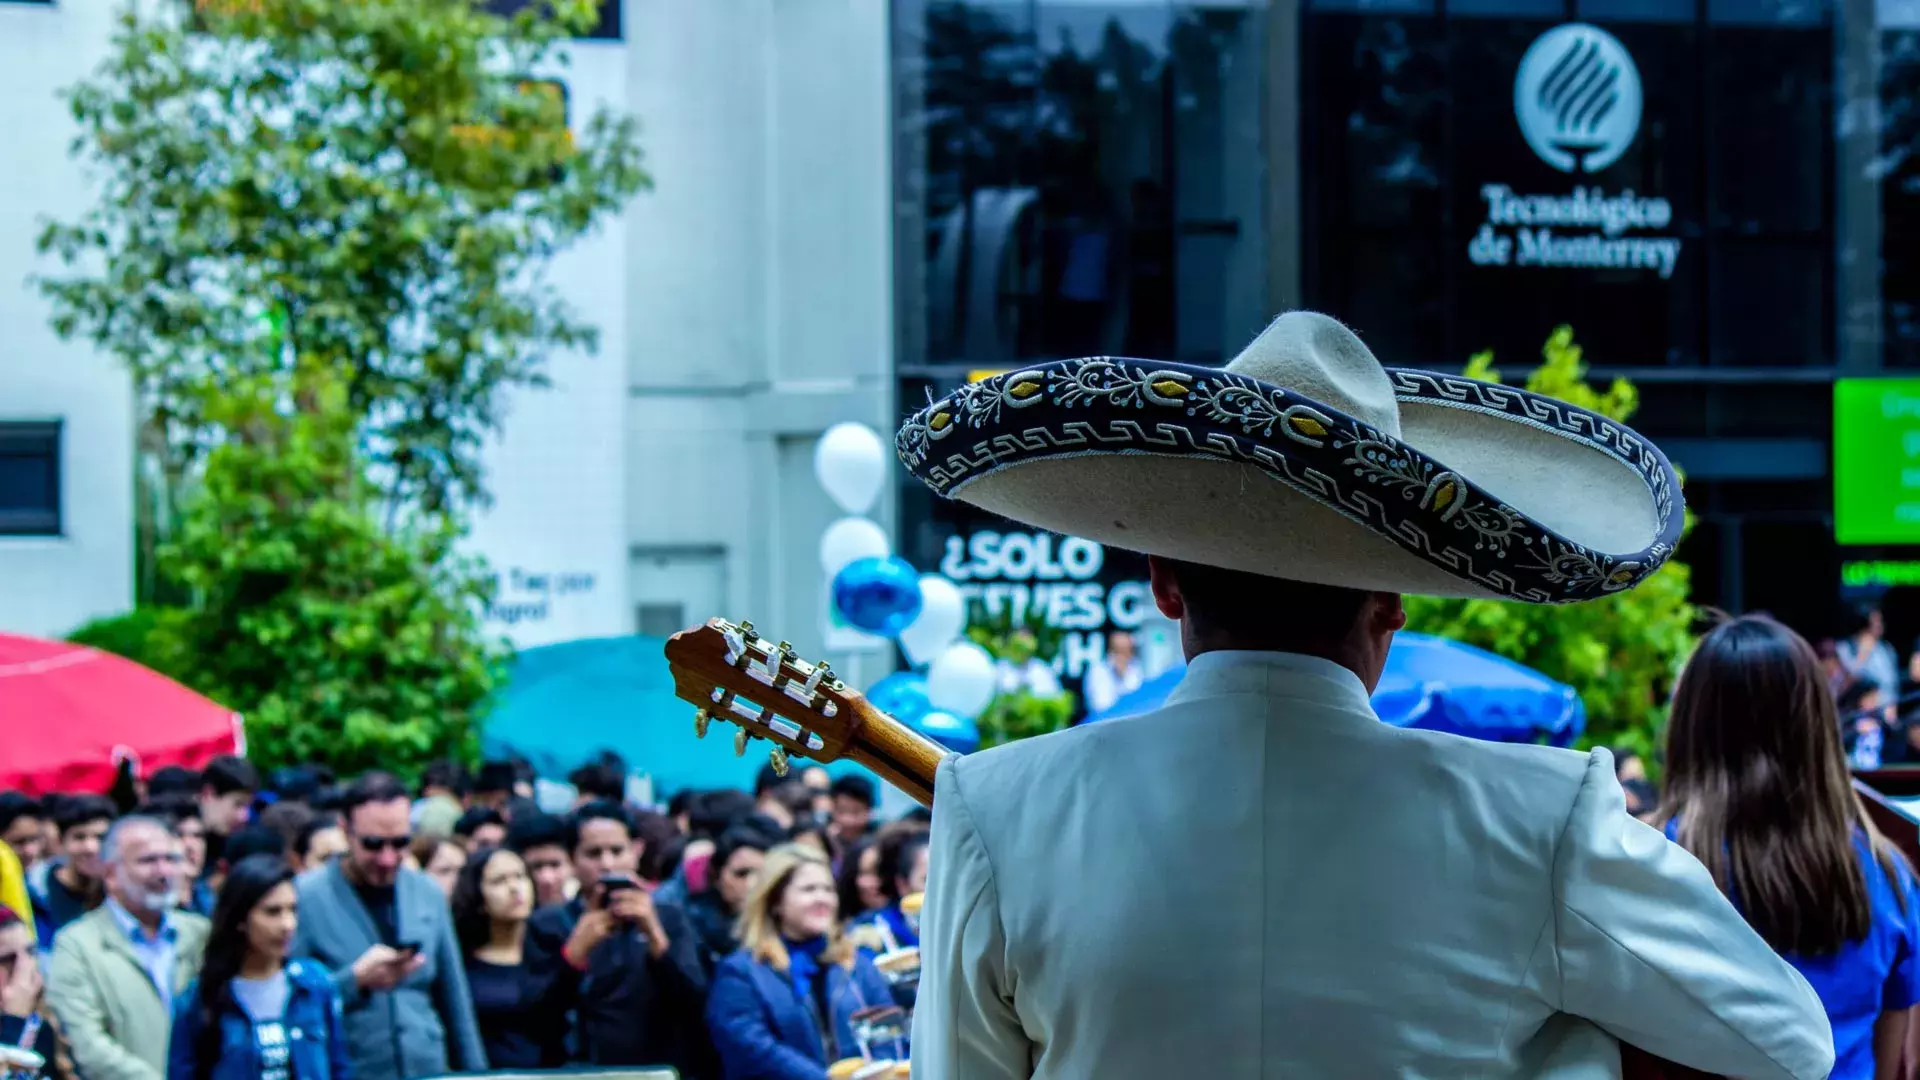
<point>1620,653</point>
<point>1021,714</point>
<point>337,639</point>
<point>375,185</point>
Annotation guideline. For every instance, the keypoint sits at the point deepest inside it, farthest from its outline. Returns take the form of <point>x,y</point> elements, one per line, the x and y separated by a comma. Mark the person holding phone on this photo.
<point>387,935</point>
<point>635,963</point>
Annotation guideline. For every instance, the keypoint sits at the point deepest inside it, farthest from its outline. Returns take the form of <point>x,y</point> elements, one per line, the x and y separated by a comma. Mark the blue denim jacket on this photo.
<point>312,1019</point>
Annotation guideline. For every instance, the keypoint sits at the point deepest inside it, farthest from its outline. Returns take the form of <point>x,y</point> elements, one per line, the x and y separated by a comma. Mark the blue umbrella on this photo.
<point>561,704</point>
<point>1440,685</point>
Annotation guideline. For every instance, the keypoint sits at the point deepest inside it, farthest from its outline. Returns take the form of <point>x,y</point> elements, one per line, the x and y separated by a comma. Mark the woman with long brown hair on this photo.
<point>786,1004</point>
<point>1758,790</point>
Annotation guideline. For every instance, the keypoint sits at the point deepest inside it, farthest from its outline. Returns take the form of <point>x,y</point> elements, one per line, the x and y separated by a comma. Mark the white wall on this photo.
<point>760,276</point>
<point>555,533</point>
<point>49,585</point>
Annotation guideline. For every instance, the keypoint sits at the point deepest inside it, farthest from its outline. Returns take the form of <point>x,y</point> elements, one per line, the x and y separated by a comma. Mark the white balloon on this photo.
<point>851,464</point>
<point>943,615</point>
<point>851,539</point>
<point>961,680</point>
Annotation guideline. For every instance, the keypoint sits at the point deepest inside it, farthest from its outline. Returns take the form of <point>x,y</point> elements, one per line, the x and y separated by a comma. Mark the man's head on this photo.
<point>1230,609</point>
<point>480,827</point>
<point>83,821</point>
<point>23,826</point>
<point>787,803</point>
<point>445,777</point>
<point>182,814</point>
<point>1120,648</point>
<point>494,786</point>
<point>598,781</point>
<point>378,829</point>
<point>173,780</point>
<point>600,839</point>
<point>227,787</point>
<point>143,865</point>
<point>541,842</point>
<point>853,799</point>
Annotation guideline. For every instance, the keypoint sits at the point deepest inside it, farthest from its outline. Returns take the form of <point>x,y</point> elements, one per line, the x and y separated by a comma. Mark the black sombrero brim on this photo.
<point>1489,491</point>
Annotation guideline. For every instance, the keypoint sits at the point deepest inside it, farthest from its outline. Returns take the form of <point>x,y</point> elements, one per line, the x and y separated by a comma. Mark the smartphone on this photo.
<point>613,883</point>
<point>407,948</point>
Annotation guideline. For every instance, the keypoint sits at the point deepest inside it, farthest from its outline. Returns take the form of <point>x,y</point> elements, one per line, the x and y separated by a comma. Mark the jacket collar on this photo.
<point>1309,679</point>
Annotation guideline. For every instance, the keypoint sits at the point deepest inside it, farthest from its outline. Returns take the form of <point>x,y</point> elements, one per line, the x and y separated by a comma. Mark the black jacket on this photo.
<point>631,1009</point>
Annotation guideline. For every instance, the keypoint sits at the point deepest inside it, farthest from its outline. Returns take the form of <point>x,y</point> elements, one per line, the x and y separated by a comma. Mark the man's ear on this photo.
<point>1166,589</point>
<point>1389,613</point>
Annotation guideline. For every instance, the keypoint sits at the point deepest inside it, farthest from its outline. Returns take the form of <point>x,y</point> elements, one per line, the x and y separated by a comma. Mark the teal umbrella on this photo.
<point>562,704</point>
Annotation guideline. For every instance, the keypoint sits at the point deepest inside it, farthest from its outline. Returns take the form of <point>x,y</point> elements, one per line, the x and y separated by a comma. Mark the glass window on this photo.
<point>1898,169</point>
<point>1086,178</point>
<point>1702,234</point>
<point>29,479</point>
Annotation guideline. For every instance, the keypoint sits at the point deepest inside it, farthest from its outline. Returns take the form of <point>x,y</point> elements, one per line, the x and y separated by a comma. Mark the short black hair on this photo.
<point>227,774</point>
<point>173,779</point>
<point>712,811</point>
<point>73,811</point>
<point>599,780</point>
<point>1854,697</point>
<point>681,802</point>
<point>919,815</point>
<point>495,776</point>
<point>855,787</point>
<point>1276,613</point>
<point>795,796</point>
<point>768,779</point>
<point>739,838</point>
<point>373,787</point>
<point>471,821</point>
<point>444,773</point>
<point>172,807</point>
<point>528,831</point>
<point>254,839</point>
<point>596,811</point>
<point>289,818</point>
<point>320,822</point>
<point>15,805</point>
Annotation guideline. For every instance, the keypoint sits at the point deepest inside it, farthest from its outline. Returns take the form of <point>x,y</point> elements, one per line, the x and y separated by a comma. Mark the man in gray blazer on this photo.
<point>387,935</point>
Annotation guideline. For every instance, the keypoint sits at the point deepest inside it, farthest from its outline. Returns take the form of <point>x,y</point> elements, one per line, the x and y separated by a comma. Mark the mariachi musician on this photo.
<point>1260,879</point>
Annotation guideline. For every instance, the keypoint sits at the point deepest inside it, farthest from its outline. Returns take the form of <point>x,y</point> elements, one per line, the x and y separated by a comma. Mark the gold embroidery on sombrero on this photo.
<point>1377,462</point>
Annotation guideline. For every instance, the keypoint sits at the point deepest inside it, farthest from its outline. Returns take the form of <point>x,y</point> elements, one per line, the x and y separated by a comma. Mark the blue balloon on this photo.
<point>956,733</point>
<point>878,595</point>
<point>901,695</point>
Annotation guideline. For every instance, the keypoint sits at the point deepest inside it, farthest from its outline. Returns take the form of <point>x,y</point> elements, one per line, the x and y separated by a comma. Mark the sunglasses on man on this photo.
<point>372,844</point>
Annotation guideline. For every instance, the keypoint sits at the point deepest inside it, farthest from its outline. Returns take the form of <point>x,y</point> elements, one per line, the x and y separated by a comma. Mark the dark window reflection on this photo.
<point>1410,120</point>
<point>1899,169</point>
<point>1087,179</point>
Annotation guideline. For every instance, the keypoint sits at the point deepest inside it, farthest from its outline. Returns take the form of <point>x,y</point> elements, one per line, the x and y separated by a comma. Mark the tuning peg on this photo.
<point>701,718</point>
<point>746,628</point>
<point>740,739</point>
<point>778,758</point>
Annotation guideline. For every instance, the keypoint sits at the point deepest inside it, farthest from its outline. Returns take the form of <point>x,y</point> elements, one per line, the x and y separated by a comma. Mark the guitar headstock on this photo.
<point>735,675</point>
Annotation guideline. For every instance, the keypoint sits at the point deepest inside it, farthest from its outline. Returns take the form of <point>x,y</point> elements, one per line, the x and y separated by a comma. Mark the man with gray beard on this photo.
<point>117,969</point>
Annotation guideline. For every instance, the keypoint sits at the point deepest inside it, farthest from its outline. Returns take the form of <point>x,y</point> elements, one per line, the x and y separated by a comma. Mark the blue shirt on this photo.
<point>156,952</point>
<point>1877,974</point>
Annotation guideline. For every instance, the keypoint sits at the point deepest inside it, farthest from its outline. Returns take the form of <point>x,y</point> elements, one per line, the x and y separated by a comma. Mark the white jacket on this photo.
<point>1261,879</point>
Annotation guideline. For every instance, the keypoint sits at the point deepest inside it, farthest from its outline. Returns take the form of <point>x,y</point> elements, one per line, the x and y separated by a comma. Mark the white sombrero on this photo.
<point>1306,459</point>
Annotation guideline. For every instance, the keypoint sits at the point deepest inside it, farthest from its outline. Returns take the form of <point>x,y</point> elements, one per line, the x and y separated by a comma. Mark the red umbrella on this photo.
<point>69,714</point>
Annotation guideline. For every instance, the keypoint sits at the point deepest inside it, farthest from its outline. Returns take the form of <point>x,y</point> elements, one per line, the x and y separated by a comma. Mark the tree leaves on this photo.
<point>1620,653</point>
<point>319,157</point>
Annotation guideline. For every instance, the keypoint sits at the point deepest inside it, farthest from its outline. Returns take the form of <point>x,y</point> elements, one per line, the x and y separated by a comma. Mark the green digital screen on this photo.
<point>1876,461</point>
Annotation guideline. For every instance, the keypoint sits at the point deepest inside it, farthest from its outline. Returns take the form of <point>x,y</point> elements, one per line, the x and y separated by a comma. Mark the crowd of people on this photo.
<point>218,925</point>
